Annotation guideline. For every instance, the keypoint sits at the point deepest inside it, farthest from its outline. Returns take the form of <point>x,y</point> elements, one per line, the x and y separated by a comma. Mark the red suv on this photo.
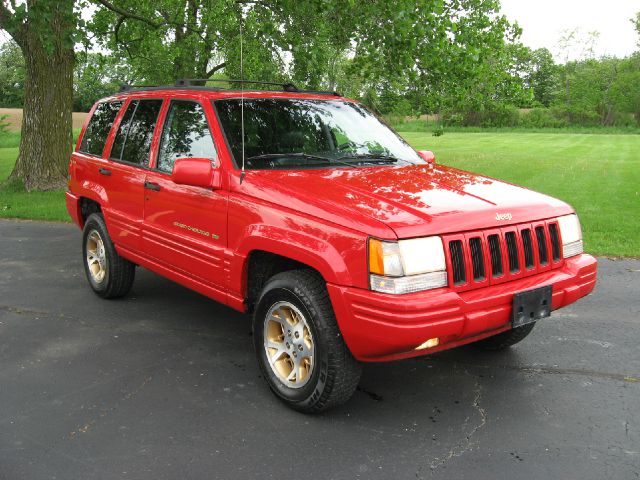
<point>307,211</point>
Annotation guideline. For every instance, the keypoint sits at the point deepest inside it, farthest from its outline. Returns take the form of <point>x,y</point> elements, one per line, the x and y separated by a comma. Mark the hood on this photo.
<point>412,201</point>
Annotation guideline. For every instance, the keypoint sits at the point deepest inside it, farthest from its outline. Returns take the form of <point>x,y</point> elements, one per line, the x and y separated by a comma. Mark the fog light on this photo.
<point>432,342</point>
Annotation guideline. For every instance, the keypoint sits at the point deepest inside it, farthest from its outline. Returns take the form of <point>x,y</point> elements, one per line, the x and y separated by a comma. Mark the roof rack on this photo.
<point>125,86</point>
<point>189,83</point>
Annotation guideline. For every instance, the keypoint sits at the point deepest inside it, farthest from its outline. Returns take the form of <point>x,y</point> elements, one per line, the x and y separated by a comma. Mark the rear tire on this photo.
<point>109,275</point>
<point>299,346</point>
<point>505,339</point>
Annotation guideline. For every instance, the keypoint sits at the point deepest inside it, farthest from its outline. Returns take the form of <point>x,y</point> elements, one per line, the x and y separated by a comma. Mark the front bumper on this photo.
<point>380,327</point>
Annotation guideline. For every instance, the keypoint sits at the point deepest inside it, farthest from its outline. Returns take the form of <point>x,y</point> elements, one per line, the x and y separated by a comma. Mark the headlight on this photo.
<point>407,266</point>
<point>571,235</point>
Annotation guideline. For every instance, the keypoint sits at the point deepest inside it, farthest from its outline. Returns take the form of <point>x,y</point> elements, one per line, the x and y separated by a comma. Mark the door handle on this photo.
<point>105,171</point>
<point>152,186</point>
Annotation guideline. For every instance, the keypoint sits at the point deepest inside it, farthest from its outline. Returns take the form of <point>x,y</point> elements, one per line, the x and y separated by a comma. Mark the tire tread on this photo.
<point>344,370</point>
<point>121,271</point>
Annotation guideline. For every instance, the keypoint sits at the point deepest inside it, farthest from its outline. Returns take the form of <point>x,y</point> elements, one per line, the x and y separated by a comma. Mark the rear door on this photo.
<point>185,227</point>
<point>126,170</point>
<point>89,166</point>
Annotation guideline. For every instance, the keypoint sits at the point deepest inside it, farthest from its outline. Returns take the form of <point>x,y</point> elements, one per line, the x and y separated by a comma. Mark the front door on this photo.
<point>185,228</point>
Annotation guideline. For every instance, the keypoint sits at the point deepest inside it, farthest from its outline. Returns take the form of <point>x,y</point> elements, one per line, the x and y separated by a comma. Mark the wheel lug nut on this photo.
<point>300,347</point>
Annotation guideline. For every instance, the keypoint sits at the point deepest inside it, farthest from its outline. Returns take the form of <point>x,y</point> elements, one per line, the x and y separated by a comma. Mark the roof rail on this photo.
<point>125,86</point>
<point>187,82</point>
<point>286,86</point>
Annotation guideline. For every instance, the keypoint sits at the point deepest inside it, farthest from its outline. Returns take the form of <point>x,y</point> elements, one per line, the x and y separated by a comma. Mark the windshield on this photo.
<point>294,133</point>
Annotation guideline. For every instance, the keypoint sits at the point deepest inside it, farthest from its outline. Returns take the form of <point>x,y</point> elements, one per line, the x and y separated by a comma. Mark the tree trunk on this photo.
<point>45,144</point>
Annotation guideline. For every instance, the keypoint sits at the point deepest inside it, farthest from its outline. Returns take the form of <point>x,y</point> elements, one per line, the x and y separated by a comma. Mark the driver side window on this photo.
<point>185,134</point>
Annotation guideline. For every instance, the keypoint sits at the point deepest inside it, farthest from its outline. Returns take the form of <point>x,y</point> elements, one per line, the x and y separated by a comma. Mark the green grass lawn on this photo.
<point>16,203</point>
<point>598,174</point>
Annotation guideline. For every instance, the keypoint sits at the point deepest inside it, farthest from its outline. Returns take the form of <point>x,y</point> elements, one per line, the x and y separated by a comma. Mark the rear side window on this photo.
<point>135,134</point>
<point>95,136</point>
<point>185,134</point>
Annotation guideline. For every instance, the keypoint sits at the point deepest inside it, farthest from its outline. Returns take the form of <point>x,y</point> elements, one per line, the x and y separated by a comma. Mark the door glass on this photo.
<point>185,134</point>
<point>134,137</point>
<point>99,127</point>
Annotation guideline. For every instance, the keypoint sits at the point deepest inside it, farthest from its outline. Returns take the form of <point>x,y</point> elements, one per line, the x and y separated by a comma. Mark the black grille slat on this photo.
<point>512,250</point>
<point>457,262</point>
<point>477,259</point>
<point>527,245</point>
<point>496,255</point>
<point>543,253</point>
<point>555,242</point>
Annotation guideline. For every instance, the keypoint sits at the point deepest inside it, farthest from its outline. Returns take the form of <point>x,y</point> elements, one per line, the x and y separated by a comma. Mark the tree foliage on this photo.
<point>11,75</point>
<point>95,76</point>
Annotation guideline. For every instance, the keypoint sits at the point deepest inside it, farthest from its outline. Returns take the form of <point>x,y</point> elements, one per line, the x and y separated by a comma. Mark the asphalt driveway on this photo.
<point>163,385</point>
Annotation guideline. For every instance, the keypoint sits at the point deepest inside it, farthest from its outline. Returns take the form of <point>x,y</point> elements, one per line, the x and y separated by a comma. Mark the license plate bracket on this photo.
<point>531,305</point>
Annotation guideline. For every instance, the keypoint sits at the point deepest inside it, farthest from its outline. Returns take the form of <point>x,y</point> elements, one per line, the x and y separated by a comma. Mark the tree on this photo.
<point>625,91</point>
<point>283,39</point>
<point>11,75</point>
<point>425,50</point>
<point>165,39</point>
<point>44,30</point>
<point>541,76</point>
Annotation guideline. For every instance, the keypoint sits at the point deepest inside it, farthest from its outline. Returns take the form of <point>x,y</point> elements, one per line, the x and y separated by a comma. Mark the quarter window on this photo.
<point>185,134</point>
<point>95,136</point>
<point>135,134</point>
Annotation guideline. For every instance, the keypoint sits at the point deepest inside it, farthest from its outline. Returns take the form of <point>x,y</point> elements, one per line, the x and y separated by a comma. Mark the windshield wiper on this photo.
<point>306,156</point>
<point>378,157</point>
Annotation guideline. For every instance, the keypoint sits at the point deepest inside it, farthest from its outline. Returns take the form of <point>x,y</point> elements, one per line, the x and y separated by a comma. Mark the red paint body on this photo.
<point>321,218</point>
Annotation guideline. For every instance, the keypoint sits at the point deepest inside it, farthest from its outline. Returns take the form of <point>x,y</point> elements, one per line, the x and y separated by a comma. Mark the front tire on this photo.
<point>505,339</point>
<point>109,275</point>
<point>299,346</point>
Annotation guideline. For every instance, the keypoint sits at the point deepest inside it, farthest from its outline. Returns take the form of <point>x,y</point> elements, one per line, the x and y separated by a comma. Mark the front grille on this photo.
<point>502,254</point>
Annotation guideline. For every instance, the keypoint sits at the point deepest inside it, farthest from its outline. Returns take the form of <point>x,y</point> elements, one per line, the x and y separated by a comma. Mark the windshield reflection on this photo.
<point>294,133</point>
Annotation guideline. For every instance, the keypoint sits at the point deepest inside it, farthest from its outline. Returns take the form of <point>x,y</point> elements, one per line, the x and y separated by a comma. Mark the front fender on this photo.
<point>338,256</point>
<point>299,246</point>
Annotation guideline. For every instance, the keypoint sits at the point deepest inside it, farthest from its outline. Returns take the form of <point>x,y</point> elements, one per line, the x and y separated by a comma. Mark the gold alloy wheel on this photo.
<point>288,344</point>
<point>96,256</point>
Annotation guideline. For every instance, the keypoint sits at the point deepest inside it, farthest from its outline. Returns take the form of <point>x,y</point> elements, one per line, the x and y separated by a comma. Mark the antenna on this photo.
<point>241,96</point>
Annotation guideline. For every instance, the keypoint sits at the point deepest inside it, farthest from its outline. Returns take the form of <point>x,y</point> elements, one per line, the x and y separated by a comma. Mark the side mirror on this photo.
<point>197,172</point>
<point>427,155</point>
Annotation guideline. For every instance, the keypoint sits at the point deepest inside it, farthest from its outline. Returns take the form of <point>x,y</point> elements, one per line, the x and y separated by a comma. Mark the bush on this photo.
<point>438,131</point>
<point>542,118</point>
<point>491,116</point>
